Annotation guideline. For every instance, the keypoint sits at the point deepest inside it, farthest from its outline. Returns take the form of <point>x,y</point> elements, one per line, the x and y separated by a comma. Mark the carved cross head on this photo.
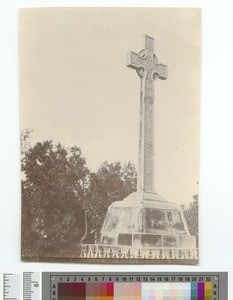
<point>146,63</point>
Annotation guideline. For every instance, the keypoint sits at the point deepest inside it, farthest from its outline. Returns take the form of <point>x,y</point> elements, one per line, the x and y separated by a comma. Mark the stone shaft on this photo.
<point>149,69</point>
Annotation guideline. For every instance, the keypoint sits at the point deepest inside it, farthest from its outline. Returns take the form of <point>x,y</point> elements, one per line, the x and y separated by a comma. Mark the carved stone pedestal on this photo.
<point>146,220</point>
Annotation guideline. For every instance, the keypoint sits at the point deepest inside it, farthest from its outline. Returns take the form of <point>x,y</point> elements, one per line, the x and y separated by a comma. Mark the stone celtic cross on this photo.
<point>149,69</point>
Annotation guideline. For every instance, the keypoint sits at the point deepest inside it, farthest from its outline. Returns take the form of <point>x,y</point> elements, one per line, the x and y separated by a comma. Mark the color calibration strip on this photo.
<point>134,286</point>
<point>134,291</point>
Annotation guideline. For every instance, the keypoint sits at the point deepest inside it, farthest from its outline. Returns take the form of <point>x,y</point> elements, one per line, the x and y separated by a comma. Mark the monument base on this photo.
<point>146,221</point>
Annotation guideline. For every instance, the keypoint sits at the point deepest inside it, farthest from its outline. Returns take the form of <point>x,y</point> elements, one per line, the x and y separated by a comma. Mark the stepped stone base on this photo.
<point>146,220</point>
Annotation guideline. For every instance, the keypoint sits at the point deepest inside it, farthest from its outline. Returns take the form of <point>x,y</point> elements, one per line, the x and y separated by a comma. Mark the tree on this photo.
<point>191,215</point>
<point>25,145</point>
<point>63,203</point>
<point>55,184</point>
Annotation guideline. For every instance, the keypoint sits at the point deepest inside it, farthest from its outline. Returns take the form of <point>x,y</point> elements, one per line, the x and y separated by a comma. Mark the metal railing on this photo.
<point>125,252</point>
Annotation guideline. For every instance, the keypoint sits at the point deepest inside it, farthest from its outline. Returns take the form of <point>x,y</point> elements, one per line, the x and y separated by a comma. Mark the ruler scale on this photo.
<point>11,286</point>
<point>31,286</point>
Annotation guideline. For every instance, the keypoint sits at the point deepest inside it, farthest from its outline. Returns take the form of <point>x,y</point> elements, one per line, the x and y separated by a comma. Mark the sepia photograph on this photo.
<point>110,113</point>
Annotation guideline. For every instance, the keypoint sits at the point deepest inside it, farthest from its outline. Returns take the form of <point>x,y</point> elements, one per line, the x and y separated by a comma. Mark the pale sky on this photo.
<point>77,90</point>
